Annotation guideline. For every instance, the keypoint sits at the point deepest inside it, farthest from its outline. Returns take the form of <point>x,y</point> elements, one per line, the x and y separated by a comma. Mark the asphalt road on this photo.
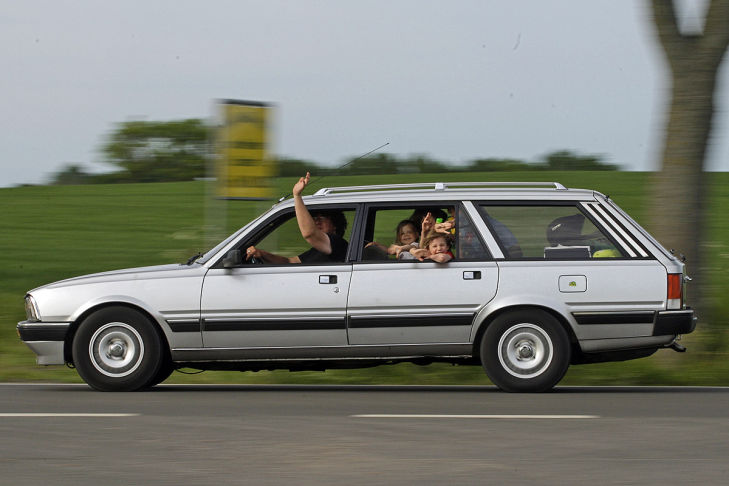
<point>219,435</point>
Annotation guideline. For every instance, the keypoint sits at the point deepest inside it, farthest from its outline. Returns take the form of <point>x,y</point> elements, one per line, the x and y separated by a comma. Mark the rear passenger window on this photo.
<point>547,232</point>
<point>389,231</point>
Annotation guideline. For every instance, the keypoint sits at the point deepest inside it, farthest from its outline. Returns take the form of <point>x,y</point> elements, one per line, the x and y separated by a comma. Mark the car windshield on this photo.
<point>216,249</point>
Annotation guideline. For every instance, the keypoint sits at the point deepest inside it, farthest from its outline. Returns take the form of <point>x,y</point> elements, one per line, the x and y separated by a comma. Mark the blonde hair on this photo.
<point>432,235</point>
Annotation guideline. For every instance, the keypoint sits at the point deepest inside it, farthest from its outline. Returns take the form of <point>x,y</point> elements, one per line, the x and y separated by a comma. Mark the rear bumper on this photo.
<point>674,322</point>
<point>45,339</point>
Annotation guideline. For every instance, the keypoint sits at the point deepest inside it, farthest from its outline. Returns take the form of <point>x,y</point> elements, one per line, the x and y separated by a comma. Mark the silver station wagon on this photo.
<point>534,277</point>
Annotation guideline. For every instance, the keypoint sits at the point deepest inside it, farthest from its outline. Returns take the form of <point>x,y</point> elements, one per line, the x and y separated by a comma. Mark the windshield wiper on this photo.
<point>193,258</point>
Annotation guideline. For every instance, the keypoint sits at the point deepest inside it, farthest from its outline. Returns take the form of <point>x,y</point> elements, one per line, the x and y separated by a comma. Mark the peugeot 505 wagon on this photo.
<point>539,277</point>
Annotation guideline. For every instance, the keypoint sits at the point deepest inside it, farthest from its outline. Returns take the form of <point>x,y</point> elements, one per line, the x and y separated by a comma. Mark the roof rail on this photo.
<point>437,186</point>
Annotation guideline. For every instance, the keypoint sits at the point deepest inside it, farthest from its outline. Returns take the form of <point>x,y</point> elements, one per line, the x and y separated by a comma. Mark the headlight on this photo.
<point>31,308</point>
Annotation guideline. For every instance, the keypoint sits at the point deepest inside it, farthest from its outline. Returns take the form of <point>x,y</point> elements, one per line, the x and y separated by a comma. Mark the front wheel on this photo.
<point>525,351</point>
<point>117,349</point>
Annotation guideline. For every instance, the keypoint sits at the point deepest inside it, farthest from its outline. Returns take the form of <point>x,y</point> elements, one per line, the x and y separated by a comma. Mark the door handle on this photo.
<point>472,275</point>
<point>327,279</point>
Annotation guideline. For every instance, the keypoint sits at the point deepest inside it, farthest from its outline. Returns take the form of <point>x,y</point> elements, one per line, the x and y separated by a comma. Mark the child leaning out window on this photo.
<point>436,248</point>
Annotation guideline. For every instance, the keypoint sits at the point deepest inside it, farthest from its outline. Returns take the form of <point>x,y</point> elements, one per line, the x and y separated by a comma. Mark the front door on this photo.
<point>277,305</point>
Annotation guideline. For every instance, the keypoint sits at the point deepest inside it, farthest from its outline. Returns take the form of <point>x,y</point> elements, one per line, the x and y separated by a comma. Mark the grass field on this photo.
<point>55,232</point>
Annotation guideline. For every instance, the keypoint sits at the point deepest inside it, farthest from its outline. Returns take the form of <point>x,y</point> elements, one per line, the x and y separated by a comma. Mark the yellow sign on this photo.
<point>245,169</point>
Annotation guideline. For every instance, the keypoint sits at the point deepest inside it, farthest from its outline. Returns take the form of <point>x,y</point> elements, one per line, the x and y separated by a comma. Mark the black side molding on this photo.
<point>356,322</point>
<point>192,325</point>
<point>665,323</point>
<point>640,317</point>
<point>38,331</point>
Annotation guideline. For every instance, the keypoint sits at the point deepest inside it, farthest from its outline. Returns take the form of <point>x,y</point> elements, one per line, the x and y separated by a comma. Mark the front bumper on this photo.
<point>674,322</point>
<point>45,339</point>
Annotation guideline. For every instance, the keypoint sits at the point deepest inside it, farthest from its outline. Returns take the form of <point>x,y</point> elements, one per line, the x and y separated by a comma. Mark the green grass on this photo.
<point>55,232</point>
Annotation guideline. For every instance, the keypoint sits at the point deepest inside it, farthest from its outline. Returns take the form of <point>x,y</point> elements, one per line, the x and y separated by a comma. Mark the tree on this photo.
<point>498,165</point>
<point>71,174</point>
<point>157,151</point>
<point>288,167</point>
<point>680,188</point>
<point>565,160</point>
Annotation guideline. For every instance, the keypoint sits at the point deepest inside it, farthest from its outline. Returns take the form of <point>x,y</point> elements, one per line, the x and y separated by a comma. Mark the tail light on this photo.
<point>674,297</point>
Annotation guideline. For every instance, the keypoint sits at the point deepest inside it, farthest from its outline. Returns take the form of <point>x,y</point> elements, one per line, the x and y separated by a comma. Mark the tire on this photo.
<point>165,370</point>
<point>117,349</point>
<point>525,351</point>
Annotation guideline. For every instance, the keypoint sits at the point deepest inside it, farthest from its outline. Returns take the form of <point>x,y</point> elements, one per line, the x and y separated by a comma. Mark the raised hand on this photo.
<point>299,186</point>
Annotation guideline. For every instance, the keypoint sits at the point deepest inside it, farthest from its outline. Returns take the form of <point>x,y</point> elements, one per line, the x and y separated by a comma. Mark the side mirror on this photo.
<point>233,258</point>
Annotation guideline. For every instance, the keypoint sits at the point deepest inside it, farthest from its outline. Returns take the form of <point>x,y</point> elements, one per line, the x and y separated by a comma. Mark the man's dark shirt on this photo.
<point>338,254</point>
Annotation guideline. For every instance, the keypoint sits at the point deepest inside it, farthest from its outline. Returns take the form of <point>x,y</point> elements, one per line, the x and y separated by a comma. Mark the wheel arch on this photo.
<point>490,317</point>
<point>70,335</point>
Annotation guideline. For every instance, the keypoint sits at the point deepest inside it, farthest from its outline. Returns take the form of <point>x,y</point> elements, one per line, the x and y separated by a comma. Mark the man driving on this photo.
<point>322,229</point>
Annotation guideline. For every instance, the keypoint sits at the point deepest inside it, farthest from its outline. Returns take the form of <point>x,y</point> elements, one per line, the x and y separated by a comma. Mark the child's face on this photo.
<point>407,234</point>
<point>438,245</point>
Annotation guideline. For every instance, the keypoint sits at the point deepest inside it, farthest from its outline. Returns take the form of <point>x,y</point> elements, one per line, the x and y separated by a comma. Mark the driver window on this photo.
<point>283,236</point>
<point>285,239</point>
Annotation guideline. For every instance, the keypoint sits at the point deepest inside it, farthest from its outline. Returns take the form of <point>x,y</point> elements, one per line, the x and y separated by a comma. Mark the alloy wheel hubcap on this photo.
<point>525,350</point>
<point>116,349</point>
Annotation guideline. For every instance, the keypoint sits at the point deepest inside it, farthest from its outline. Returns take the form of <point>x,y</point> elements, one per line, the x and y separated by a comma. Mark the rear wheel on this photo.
<point>117,349</point>
<point>525,351</point>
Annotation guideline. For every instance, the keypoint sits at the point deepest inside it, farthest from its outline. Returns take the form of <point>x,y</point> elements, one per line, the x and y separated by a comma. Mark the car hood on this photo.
<point>139,273</point>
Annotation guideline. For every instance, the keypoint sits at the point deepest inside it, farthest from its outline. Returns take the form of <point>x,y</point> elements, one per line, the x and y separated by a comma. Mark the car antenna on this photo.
<point>341,167</point>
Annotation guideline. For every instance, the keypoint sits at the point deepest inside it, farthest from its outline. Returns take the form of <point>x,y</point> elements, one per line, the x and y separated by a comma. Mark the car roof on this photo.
<point>450,191</point>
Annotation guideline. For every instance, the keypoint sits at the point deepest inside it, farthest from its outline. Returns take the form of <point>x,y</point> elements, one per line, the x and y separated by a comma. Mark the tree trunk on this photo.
<point>679,190</point>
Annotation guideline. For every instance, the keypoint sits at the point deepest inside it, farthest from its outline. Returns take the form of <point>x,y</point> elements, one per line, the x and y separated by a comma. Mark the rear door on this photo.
<point>410,302</point>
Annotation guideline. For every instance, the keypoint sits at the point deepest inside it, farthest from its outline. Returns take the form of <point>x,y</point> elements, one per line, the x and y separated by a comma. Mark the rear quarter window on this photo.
<point>551,232</point>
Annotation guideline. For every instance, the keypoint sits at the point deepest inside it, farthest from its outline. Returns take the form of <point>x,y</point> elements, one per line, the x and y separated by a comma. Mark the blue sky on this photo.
<point>452,80</point>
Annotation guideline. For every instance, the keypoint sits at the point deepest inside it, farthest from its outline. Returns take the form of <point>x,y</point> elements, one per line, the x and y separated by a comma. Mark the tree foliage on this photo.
<point>178,150</point>
<point>71,174</point>
<point>420,164</point>
<point>155,151</point>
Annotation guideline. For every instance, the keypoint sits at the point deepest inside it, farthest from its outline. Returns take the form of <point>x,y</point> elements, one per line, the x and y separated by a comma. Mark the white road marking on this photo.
<point>505,417</point>
<point>93,415</point>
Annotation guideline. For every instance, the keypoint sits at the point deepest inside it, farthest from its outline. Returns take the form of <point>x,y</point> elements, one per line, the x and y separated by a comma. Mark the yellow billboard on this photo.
<point>245,169</point>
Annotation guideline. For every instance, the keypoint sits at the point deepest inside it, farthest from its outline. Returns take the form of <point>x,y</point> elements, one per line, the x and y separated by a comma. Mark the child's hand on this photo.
<point>440,257</point>
<point>419,253</point>
<point>444,227</point>
<point>428,223</point>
